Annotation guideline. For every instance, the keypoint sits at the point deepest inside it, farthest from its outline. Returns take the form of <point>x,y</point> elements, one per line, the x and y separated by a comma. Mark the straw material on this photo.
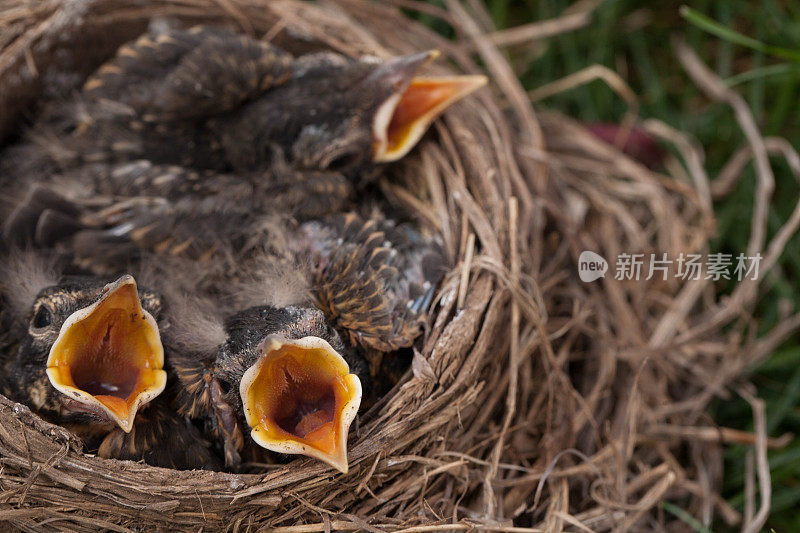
<point>535,401</point>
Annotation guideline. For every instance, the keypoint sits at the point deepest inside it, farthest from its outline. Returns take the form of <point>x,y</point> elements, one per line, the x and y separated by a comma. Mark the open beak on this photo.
<point>300,398</point>
<point>108,357</point>
<point>405,116</point>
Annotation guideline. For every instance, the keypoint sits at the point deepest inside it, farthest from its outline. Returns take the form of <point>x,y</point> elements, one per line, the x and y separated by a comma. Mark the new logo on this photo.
<point>591,266</point>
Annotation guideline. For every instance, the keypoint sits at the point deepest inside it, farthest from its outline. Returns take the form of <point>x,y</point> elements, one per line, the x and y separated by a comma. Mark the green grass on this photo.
<point>755,47</point>
<point>685,517</point>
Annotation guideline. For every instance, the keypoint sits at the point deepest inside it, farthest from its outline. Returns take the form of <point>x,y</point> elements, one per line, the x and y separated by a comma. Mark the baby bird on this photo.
<point>209,98</point>
<point>89,356</point>
<point>92,352</point>
<point>293,376</point>
<point>285,375</point>
<point>227,107</point>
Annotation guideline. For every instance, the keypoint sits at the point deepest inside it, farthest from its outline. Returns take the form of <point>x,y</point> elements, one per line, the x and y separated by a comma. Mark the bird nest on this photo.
<point>534,399</point>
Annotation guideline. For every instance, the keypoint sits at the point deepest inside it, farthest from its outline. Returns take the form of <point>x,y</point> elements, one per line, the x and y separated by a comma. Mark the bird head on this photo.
<point>407,104</point>
<point>286,370</point>
<point>340,114</point>
<point>93,351</point>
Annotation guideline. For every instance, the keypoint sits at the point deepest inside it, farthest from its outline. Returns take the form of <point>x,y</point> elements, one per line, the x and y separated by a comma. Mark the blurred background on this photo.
<point>755,47</point>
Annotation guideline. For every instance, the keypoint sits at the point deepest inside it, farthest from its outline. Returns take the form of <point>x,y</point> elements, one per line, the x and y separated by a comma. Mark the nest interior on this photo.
<point>535,399</point>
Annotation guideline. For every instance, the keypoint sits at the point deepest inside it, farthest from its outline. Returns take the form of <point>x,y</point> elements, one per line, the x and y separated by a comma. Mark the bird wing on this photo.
<point>184,74</point>
<point>129,208</point>
<point>373,278</point>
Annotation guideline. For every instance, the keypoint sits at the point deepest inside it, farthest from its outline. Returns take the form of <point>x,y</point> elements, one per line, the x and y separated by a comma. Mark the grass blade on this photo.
<point>715,28</point>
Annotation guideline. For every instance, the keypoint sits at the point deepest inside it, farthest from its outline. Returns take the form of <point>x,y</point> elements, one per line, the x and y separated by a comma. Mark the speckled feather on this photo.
<point>184,74</point>
<point>373,278</point>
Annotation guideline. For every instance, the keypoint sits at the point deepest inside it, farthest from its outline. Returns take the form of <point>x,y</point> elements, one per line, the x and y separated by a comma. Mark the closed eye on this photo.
<point>344,161</point>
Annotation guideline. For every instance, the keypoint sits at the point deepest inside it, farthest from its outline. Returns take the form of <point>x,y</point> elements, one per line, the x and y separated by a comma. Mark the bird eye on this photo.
<point>344,161</point>
<point>42,318</point>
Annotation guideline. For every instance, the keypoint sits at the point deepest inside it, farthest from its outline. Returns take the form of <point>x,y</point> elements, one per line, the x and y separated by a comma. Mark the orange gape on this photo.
<point>417,107</point>
<point>110,354</point>
<point>423,96</point>
<point>299,397</point>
